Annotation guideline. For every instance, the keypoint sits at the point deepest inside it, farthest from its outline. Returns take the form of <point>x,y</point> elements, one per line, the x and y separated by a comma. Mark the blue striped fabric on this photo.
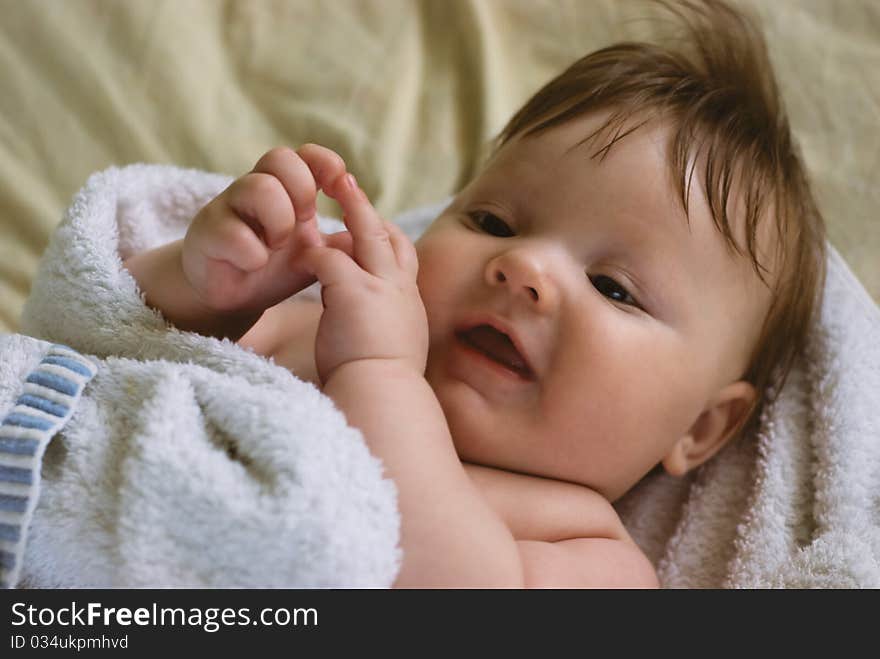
<point>18,446</point>
<point>47,401</point>
<point>28,421</point>
<point>12,503</point>
<point>42,404</point>
<point>15,474</point>
<point>11,532</point>
<point>53,381</point>
<point>68,363</point>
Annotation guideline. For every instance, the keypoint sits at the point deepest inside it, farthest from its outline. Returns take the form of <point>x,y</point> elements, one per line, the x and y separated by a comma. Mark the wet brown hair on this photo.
<point>715,86</point>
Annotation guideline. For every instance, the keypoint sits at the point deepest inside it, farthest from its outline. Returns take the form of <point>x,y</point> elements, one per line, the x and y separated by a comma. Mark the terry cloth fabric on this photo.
<point>190,462</point>
<point>199,477</point>
<point>49,394</point>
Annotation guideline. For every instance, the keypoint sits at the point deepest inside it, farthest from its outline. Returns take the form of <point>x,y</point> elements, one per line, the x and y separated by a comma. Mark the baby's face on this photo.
<point>627,318</point>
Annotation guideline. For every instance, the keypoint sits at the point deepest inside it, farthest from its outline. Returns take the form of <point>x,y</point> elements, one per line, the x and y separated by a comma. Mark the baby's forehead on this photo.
<point>729,192</point>
<point>647,154</point>
<point>635,149</point>
<point>573,158</point>
<point>628,172</point>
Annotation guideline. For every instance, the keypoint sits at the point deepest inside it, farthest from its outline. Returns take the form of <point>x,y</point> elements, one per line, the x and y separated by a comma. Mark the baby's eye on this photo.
<point>491,224</point>
<point>612,290</point>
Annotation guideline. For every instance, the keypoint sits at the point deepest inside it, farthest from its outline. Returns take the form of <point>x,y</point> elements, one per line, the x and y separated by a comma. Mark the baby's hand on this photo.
<point>242,251</point>
<point>372,306</point>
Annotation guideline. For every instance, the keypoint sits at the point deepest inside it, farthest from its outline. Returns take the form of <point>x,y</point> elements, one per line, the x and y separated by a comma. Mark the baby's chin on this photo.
<point>481,439</point>
<point>469,420</point>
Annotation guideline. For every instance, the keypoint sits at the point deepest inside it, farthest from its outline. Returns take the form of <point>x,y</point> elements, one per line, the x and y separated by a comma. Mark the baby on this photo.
<point>636,263</point>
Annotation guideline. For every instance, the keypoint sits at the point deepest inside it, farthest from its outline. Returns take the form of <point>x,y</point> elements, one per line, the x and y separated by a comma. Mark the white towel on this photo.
<point>797,504</point>
<point>188,461</point>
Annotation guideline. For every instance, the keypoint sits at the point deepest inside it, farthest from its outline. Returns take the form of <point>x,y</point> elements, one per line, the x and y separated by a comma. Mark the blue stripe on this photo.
<point>27,421</point>
<point>53,381</point>
<point>62,371</point>
<point>18,445</point>
<point>10,532</point>
<point>40,403</point>
<point>13,504</point>
<point>16,475</point>
<point>7,560</point>
<point>66,362</point>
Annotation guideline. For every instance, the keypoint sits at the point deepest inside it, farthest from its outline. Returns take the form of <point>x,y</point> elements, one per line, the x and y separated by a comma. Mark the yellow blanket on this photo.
<point>407,91</point>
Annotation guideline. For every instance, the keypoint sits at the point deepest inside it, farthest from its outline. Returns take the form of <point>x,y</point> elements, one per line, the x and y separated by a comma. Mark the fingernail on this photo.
<point>351,181</point>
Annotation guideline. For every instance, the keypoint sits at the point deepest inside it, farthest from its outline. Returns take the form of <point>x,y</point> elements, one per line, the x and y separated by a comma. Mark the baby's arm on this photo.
<point>159,274</point>
<point>241,252</point>
<point>370,352</point>
<point>450,536</point>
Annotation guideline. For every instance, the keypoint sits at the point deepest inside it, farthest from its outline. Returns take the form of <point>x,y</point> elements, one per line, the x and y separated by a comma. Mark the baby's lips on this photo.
<point>524,348</point>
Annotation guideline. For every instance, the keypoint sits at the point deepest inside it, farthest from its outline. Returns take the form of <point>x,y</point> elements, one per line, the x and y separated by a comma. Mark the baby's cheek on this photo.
<point>631,381</point>
<point>427,268</point>
<point>439,274</point>
<point>666,398</point>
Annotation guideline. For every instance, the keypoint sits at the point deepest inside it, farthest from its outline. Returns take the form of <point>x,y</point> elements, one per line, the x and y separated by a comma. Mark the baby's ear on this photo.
<point>722,418</point>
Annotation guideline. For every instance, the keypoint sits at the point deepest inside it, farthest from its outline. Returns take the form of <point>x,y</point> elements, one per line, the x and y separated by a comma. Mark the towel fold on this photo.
<point>189,461</point>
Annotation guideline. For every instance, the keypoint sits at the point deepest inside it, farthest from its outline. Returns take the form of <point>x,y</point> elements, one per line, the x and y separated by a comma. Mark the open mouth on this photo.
<point>498,347</point>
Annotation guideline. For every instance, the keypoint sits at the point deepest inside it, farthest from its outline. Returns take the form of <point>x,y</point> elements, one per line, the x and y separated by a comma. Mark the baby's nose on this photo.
<point>526,274</point>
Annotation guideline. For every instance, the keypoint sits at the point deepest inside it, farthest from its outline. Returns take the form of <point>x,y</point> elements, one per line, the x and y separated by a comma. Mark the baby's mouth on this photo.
<point>498,347</point>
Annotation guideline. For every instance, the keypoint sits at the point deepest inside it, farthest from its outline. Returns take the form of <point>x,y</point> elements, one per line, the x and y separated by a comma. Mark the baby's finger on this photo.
<point>371,244</point>
<point>404,249</point>
<point>342,241</point>
<point>329,266</point>
<point>325,164</point>
<point>261,201</point>
<point>296,177</point>
<point>233,242</point>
